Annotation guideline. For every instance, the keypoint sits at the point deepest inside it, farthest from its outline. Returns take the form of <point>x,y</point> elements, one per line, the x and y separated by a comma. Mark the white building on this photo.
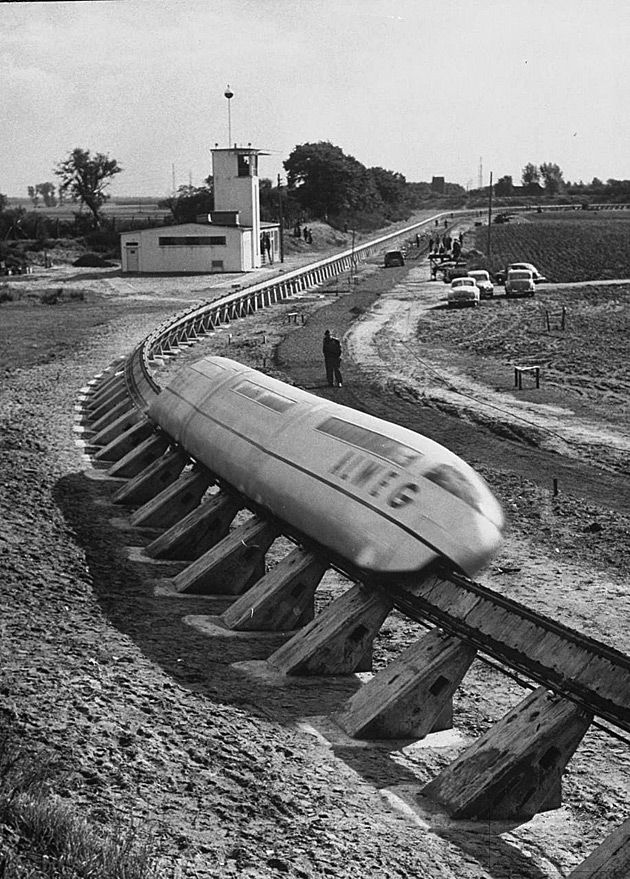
<point>230,239</point>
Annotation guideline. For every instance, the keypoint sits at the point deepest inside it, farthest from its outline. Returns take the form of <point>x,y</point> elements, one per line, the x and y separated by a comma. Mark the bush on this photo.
<point>92,260</point>
<point>6,295</point>
<point>51,297</point>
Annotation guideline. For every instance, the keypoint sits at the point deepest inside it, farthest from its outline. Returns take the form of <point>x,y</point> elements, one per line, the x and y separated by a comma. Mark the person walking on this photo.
<point>331,348</point>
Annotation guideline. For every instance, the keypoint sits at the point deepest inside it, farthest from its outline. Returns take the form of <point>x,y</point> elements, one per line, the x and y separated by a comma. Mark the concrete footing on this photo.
<point>126,442</point>
<point>339,640</point>
<point>197,532</point>
<point>515,769</point>
<point>283,599</point>
<point>174,502</point>
<point>152,479</point>
<point>413,696</point>
<point>139,458</point>
<point>233,565</point>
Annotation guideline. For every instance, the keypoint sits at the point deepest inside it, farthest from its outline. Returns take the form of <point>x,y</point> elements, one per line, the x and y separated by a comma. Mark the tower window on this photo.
<point>247,165</point>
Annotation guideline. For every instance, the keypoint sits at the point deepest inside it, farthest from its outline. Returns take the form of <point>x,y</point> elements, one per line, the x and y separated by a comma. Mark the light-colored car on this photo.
<point>520,282</point>
<point>394,258</point>
<point>501,276</point>
<point>482,279</point>
<point>463,292</point>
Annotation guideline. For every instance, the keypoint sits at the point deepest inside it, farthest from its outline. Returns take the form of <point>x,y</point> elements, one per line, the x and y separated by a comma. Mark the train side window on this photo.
<point>264,396</point>
<point>370,441</point>
<point>455,482</point>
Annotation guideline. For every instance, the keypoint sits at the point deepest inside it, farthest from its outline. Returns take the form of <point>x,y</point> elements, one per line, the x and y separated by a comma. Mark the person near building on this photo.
<point>331,348</point>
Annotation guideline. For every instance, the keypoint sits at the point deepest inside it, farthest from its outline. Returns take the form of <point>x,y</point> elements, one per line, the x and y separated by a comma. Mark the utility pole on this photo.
<point>229,94</point>
<point>173,171</point>
<point>490,221</point>
<point>281,221</point>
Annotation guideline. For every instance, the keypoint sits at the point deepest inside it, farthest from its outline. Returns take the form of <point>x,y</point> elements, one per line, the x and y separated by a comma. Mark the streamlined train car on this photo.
<point>386,499</point>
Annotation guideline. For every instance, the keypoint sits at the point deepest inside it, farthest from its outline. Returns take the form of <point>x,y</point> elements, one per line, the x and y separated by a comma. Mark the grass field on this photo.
<point>576,246</point>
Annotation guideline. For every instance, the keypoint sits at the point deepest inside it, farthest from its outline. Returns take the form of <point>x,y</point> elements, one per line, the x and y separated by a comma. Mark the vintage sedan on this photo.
<point>501,276</point>
<point>463,292</point>
<point>482,280</point>
<point>520,282</point>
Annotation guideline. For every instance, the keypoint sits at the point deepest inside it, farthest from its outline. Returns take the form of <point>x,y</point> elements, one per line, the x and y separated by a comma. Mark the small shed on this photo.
<point>192,248</point>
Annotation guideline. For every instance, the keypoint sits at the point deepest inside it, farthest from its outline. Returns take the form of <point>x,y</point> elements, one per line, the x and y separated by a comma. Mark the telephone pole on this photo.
<point>281,221</point>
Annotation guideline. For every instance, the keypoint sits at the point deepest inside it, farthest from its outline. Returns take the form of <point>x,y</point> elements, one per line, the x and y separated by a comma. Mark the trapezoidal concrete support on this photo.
<point>282,600</point>
<point>610,860</point>
<point>197,532</point>
<point>174,502</point>
<point>413,696</point>
<point>120,426</point>
<point>515,769</point>
<point>153,479</point>
<point>110,417</point>
<point>339,639</point>
<point>139,458</point>
<point>126,442</point>
<point>233,565</point>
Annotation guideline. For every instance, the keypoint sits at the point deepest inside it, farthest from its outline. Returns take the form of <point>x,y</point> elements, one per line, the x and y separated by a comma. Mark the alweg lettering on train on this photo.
<point>377,478</point>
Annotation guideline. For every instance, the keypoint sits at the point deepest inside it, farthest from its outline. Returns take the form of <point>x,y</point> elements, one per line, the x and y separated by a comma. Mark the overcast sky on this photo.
<point>423,87</point>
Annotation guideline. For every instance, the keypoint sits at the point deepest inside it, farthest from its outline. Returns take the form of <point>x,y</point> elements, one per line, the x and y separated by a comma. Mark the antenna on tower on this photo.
<point>229,94</point>
<point>480,179</point>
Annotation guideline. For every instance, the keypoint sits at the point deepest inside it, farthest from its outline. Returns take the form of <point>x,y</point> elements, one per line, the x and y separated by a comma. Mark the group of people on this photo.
<point>304,233</point>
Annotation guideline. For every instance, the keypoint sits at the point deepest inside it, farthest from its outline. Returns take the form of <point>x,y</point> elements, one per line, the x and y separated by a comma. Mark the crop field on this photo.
<point>568,247</point>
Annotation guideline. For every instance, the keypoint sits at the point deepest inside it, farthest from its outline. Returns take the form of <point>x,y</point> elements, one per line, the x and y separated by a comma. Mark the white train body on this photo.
<point>382,497</point>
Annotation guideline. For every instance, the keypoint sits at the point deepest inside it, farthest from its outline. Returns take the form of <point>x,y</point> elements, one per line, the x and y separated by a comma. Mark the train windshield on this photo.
<point>370,441</point>
<point>455,482</point>
<point>264,396</point>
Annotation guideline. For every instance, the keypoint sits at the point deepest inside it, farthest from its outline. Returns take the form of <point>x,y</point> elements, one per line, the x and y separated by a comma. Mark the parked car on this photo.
<point>463,292</point>
<point>520,282</point>
<point>454,270</point>
<point>501,276</point>
<point>482,280</point>
<point>394,258</point>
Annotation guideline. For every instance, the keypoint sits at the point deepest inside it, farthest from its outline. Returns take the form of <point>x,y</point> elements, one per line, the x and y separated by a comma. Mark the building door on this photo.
<point>132,254</point>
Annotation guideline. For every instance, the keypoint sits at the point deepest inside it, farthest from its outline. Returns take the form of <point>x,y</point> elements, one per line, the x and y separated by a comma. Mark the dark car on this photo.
<point>394,258</point>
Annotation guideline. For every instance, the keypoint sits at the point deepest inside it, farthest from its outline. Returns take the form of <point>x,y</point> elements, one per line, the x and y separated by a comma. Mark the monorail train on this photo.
<point>383,498</point>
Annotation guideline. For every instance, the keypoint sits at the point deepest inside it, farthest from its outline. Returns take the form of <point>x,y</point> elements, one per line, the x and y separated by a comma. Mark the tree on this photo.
<point>85,178</point>
<point>552,177</point>
<point>33,194</point>
<point>325,180</point>
<point>530,174</point>
<point>504,186</point>
<point>4,202</point>
<point>47,192</point>
<point>191,201</point>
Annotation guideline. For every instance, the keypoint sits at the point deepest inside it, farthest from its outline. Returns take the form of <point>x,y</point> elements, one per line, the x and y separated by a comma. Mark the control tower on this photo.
<point>236,189</point>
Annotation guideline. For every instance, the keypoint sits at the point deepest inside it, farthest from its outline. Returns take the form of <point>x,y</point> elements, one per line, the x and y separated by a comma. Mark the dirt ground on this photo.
<point>148,720</point>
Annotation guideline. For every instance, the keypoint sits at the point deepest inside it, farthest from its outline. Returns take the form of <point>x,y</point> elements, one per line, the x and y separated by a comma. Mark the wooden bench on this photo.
<point>518,375</point>
<point>293,316</point>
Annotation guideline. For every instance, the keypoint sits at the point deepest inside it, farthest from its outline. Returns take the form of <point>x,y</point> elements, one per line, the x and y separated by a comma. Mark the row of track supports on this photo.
<point>512,772</point>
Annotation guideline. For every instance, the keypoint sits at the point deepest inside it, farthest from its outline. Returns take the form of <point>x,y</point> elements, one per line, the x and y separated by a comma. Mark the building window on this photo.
<point>247,165</point>
<point>191,240</point>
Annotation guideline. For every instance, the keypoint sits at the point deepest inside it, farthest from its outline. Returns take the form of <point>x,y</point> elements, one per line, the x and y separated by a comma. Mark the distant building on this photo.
<point>437,185</point>
<point>230,239</point>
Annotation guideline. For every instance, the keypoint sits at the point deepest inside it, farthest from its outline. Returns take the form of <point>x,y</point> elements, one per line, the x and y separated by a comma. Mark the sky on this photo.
<point>453,88</point>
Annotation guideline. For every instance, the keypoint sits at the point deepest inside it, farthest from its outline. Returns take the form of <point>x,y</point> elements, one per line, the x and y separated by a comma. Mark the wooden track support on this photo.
<point>515,769</point>
<point>101,407</point>
<point>233,565</point>
<point>413,696</point>
<point>282,600</point>
<point>175,501</point>
<point>610,860</point>
<point>126,442</point>
<point>339,640</point>
<point>139,458</point>
<point>152,479</point>
<point>197,532</point>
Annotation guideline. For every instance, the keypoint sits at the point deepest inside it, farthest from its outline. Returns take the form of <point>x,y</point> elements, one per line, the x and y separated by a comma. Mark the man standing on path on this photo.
<point>332,358</point>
